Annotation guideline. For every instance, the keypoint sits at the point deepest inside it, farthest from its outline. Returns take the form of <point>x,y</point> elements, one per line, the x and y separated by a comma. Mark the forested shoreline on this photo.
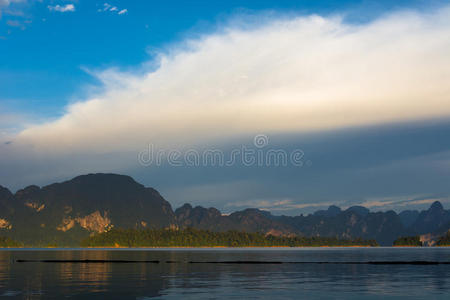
<point>6,242</point>
<point>197,238</point>
<point>408,241</point>
<point>204,238</point>
<point>444,241</point>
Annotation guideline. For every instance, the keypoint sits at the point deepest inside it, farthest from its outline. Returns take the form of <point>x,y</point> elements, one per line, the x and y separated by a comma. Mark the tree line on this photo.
<point>444,240</point>
<point>410,241</point>
<point>6,242</point>
<point>191,237</point>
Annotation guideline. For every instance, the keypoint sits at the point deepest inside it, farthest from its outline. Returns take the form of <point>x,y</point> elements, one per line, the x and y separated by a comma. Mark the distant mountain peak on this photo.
<point>436,206</point>
<point>185,206</point>
<point>361,210</point>
<point>432,219</point>
<point>103,178</point>
<point>4,191</point>
<point>332,211</point>
<point>32,189</point>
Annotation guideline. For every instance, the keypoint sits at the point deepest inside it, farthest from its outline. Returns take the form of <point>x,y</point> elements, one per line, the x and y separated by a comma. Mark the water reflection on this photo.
<point>38,280</point>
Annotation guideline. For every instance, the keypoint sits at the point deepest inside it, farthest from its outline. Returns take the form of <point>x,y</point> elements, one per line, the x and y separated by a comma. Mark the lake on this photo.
<point>252,273</point>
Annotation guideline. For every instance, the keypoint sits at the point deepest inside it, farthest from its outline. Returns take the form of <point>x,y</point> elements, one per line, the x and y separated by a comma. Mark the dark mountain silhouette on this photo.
<point>6,207</point>
<point>360,210</point>
<point>432,219</point>
<point>65,213</point>
<point>252,220</point>
<point>6,201</point>
<point>408,217</point>
<point>86,204</point>
<point>332,211</point>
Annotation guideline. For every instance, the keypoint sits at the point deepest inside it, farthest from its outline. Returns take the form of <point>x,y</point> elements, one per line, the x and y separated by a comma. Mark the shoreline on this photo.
<point>211,247</point>
<point>189,247</point>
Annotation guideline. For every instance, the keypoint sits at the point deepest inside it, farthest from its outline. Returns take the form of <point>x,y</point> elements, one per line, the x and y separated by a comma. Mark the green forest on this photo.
<point>192,237</point>
<point>411,241</point>
<point>444,240</point>
<point>6,242</point>
<point>204,238</point>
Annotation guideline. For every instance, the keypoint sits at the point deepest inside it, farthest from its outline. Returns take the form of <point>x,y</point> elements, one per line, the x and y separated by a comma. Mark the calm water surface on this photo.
<point>175,276</point>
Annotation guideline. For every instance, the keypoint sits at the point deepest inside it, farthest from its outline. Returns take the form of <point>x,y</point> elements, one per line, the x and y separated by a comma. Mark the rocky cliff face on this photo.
<point>385,227</point>
<point>250,220</point>
<point>6,203</point>
<point>7,208</point>
<point>408,217</point>
<point>431,220</point>
<point>198,217</point>
<point>354,222</point>
<point>85,205</point>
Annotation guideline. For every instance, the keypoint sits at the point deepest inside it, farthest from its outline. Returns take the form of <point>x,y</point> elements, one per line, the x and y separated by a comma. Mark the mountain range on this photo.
<point>64,213</point>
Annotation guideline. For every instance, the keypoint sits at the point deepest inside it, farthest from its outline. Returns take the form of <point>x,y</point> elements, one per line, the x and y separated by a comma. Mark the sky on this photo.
<point>287,106</point>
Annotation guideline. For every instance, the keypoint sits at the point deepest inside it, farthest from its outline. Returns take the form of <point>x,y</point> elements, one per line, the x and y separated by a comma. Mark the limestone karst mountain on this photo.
<point>65,213</point>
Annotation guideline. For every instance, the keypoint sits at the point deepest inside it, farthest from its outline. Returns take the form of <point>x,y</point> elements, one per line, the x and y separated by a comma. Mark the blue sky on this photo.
<point>86,85</point>
<point>47,52</point>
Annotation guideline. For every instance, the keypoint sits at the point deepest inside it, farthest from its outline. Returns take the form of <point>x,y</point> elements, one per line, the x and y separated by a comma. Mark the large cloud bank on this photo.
<point>289,74</point>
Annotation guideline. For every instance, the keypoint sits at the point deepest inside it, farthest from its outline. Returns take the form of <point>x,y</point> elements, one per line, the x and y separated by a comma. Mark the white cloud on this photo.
<point>375,204</point>
<point>5,3</point>
<point>9,125</point>
<point>288,74</point>
<point>279,205</point>
<point>63,8</point>
<point>400,201</point>
<point>211,194</point>
<point>110,8</point>
<point>5,6</point>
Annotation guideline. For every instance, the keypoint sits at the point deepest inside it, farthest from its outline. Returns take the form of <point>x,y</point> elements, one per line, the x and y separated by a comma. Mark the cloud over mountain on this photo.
<point>303,73</point>
<point>325,84</point>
